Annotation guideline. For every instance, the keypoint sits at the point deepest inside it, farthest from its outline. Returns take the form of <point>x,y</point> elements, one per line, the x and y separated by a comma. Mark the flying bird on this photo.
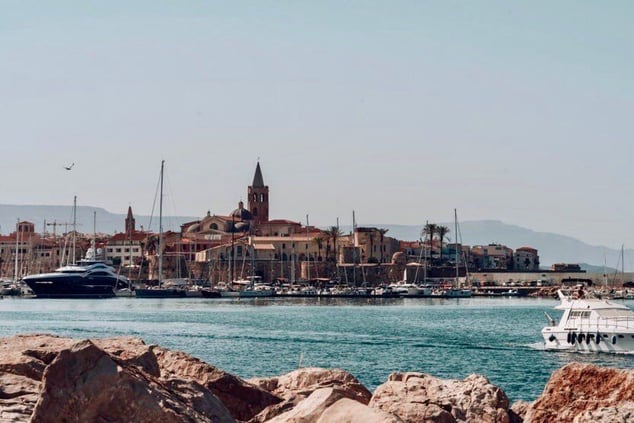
<point>69,167</point>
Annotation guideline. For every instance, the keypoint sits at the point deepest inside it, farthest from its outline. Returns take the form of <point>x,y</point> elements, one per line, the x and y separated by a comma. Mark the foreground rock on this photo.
<point>585,393</point>
<point>48,378</point>
<point>417,397</point>
<point>296,386</point>
<point>45,378</point>
<point>327,405</point>
<point>84,384</point>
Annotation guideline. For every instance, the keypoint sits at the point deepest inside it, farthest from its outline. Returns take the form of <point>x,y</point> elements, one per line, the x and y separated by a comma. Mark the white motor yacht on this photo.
<point>404,289</point>
<point>590,325</point>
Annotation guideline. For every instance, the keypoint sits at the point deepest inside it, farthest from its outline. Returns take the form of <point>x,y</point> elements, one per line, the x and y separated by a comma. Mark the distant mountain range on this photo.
<point>553,248</point>
<point>63,215</point>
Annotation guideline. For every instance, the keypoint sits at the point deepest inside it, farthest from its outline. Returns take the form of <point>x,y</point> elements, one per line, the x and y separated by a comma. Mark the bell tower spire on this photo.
<point>129,221</point>
<point>258,195</point>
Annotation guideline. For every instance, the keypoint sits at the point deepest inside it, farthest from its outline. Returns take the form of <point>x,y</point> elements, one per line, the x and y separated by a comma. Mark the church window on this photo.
<point>262,198</point>
<point>213,226</point>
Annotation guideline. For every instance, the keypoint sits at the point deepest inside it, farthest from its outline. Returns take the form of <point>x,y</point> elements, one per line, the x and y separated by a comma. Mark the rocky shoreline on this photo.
<point>45,378</point>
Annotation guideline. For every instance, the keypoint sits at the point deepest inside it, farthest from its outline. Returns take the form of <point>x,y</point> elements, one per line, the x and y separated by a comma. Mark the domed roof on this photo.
<point>241,212</point>
<point>193,228</point>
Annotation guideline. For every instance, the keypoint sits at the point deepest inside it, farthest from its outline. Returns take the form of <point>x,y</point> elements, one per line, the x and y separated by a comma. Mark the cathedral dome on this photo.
<point>241,213</point>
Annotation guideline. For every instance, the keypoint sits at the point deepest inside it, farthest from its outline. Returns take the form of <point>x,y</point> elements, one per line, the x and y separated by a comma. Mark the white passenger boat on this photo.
<point>590,325</point>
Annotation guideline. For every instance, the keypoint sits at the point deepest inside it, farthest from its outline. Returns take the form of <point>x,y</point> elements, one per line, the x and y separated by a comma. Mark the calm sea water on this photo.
<point>499,338</point>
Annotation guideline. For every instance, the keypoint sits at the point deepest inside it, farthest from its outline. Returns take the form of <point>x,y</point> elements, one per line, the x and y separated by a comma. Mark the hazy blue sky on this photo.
<point>400,110</point>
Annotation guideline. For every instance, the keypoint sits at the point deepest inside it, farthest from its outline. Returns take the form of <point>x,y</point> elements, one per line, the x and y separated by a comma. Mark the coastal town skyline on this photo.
<point>401,113</point>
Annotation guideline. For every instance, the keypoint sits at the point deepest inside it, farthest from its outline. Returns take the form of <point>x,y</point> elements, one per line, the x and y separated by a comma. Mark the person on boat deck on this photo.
<point>581,293</point>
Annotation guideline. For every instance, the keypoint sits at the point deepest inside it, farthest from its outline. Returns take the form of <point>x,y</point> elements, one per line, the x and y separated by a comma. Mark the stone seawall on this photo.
<point>45,378</point>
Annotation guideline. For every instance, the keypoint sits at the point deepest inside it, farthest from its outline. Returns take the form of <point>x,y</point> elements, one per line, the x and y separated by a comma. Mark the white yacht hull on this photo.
<point>610,341</point>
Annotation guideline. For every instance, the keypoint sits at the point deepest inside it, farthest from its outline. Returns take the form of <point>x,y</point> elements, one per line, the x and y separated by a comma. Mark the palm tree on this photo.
<point>333,233</point>
<point>429,230</point>
<point>442,231</point>
<point>319,240</point>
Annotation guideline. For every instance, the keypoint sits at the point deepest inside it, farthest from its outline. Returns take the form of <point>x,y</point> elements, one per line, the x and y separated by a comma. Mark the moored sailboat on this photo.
<point>160,291</point>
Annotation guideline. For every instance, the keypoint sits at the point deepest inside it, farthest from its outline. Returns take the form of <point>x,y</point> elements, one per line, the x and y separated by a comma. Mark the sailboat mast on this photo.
<point>622,264</point>
<point>455,225</point>
<point>336,252</point>
<point>252,254</point>
<point>354,250</point>
<point>425,250</point>
<point>231,258</point>
<point>160,246</point>
<point>74,228</point>
<point>307,252</point>
<point>94,235</point>
<point>17,246</point>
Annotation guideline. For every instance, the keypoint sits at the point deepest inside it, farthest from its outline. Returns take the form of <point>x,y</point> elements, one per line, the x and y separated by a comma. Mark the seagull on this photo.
<point>69,167</point>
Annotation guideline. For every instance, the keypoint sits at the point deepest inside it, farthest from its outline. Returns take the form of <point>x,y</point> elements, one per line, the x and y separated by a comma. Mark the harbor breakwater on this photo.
<point>46,378</point>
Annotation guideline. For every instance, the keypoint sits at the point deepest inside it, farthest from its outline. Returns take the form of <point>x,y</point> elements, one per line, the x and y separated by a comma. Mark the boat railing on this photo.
<point>607,323</point>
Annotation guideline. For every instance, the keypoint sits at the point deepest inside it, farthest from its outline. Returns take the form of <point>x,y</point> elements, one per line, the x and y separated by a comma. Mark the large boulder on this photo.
<point>311,408</point>
<point>84,384</point>
<point>585,392</point>
<point>349,411</point>
<point>299,384</point>
<point>417,397</point>
<point>23,359</point>
<point>242,399</point>
<point>331,405</point>
<point>304,381</point>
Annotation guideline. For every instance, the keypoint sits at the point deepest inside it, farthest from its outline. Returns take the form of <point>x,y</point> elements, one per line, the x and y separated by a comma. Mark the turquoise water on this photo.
<point>499,338</point>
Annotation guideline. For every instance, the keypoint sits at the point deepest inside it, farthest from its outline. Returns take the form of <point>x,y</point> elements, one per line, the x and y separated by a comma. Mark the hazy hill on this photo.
<point>106,222</point>
<point>553,248</point>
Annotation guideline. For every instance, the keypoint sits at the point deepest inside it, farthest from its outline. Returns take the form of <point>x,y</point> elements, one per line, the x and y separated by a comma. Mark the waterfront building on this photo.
<point>526,259</point>
<point>492,257</point>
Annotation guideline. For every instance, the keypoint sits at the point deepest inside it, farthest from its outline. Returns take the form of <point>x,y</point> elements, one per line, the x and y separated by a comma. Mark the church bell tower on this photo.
<point>258,195</point>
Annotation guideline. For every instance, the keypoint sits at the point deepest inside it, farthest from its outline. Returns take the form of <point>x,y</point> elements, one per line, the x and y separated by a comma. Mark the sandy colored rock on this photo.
<point>417,397</point>
<point>578,391</point>
<point>305,380</point>
<point>346,410</point>
<point>624,413</point>
<point>518,411</point>
<point>131,351</point>
<point>84,384</point>
<point>243,400</point>
<point>297,385</point>
<point>23,359</point>
<point>310,409</point>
